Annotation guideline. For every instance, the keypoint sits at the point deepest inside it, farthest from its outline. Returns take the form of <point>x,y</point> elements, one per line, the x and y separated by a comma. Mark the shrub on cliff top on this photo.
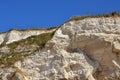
<point>113,14</point>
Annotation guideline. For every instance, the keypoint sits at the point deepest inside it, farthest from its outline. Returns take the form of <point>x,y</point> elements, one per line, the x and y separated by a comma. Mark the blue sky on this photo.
<point>43,13</point>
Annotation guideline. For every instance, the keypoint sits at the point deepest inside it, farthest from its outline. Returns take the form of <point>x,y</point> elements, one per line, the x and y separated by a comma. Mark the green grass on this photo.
<point>9,59</point>
<point>39,40</point>
<point>112,14</point>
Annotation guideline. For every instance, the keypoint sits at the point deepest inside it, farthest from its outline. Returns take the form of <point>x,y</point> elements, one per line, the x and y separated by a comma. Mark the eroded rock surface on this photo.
<point>15,35</point>
<point>87,49</point>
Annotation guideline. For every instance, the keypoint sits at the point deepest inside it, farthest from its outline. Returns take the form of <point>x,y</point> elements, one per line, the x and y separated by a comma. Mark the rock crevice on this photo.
<point>86,49</point>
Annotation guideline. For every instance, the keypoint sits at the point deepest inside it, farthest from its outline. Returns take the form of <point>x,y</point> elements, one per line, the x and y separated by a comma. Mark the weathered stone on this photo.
<point>79,50</point>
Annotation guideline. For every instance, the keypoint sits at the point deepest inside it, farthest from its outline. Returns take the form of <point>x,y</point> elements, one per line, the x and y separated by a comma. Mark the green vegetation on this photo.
<point>3,44</point>
<point>38,40</point>
<point>112,14</point>
<point>9,59</point>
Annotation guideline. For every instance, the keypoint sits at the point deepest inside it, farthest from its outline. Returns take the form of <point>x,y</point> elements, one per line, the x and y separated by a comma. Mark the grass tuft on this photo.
<point>112,14</point>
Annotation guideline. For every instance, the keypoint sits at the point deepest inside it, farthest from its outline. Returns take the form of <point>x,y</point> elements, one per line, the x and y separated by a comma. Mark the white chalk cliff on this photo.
<point>16,35</point>
<point>87,49</point>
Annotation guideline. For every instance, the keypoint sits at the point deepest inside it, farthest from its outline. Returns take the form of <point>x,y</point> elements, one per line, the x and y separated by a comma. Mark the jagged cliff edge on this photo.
<point>80,49</point>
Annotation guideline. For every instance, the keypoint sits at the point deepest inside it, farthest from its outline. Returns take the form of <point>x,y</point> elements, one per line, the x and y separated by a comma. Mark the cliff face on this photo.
<point>16,35</point>
<point>79,50</point>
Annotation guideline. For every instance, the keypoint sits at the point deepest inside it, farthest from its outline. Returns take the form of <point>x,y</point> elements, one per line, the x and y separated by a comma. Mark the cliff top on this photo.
<point>112,14</point>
